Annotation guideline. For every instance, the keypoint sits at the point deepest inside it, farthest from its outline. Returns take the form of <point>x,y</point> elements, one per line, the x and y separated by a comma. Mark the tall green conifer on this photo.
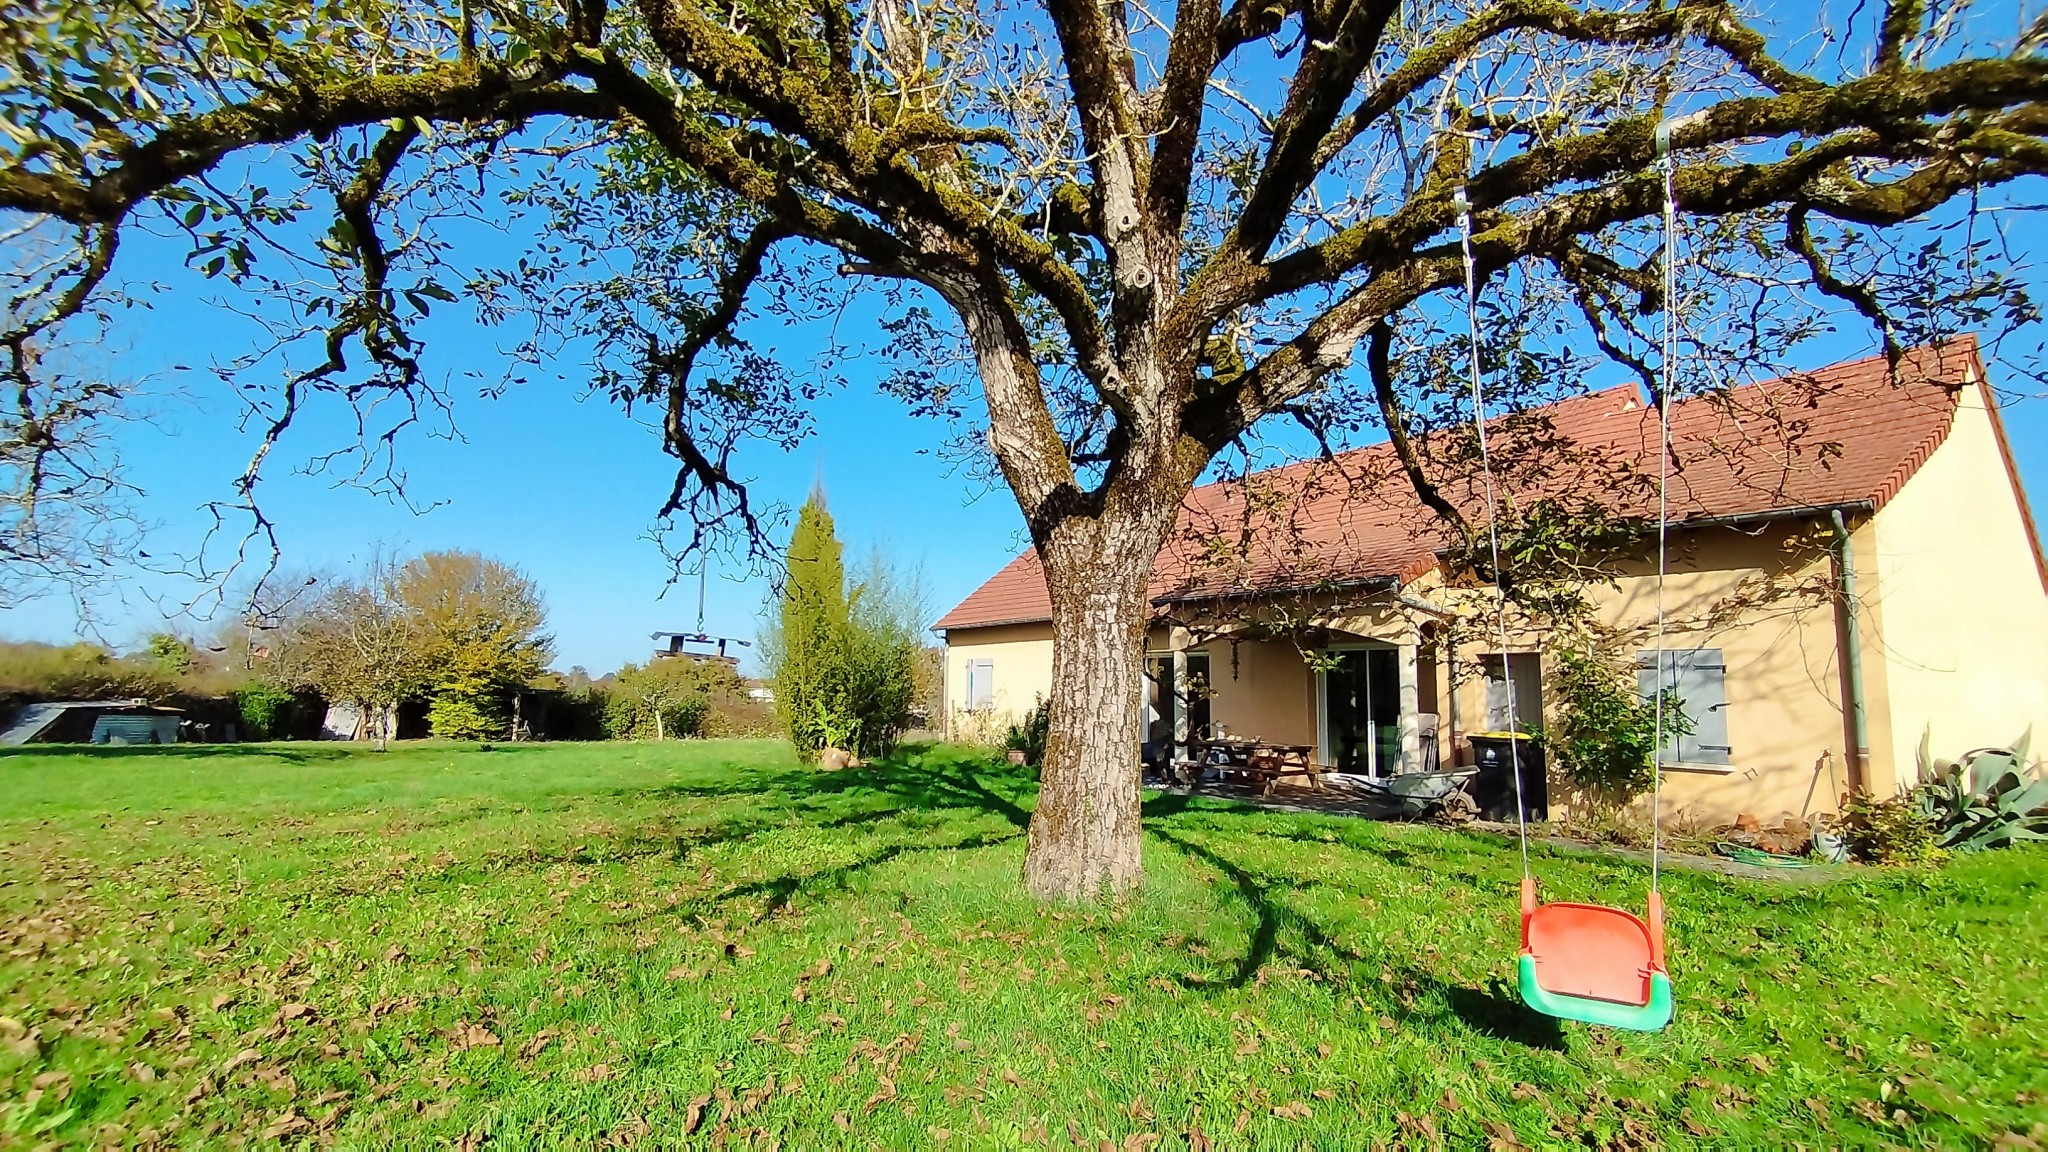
<point>807,654</point>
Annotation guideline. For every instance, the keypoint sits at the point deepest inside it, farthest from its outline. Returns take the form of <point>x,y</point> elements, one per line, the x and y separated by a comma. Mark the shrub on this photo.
<point>738,717</point>
<point>266,710</point>
<point>466,707</point>
<point>31,671</point>
<point>666,699</point>
<point>1889,831</point>
<point>1028,735</point>
<point>1605,737</point>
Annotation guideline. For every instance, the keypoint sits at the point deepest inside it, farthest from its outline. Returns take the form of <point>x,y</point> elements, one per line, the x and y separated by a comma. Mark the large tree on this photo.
<point>1156,228</point>
<point>482,628</point>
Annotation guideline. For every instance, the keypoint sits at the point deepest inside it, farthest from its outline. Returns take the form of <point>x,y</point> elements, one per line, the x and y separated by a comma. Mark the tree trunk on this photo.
<point>1085,836</point>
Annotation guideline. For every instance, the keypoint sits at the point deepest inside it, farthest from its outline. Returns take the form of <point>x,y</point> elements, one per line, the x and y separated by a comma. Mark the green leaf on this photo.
<point>194,215</point>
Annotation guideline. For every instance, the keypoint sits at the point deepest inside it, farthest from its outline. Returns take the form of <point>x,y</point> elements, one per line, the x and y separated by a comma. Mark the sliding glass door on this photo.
<point>1361,711</point>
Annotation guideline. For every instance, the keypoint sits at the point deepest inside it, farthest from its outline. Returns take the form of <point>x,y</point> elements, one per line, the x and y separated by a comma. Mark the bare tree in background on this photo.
<point>1128,236</point>
<point>358,643</point>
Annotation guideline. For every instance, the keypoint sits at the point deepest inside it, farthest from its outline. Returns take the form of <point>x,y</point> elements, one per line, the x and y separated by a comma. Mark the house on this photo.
<point>1852,569</point>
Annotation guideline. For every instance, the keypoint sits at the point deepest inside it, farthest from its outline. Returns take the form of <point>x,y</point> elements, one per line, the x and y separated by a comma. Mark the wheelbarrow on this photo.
<point>1422,794</point>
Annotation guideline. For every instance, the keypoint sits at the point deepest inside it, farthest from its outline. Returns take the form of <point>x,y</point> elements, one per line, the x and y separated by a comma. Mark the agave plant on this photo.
<point>1987,798</point>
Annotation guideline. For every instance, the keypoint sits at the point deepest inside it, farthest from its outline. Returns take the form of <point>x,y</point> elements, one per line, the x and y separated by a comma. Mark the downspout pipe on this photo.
<point>1852,651</point>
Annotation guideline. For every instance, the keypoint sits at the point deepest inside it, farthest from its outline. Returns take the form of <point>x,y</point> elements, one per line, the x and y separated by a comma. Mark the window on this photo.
<point>1525,669</point>
<point>1695,680</point>
<point>981,684</point>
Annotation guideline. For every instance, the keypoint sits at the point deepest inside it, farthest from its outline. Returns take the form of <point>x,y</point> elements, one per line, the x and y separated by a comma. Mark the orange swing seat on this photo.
<point>1596,964</point>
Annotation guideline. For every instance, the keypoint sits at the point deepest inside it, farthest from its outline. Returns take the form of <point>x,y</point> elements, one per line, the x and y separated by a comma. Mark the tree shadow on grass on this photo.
<point>780,890</point>
<point>291,753</point>
<point>1493,1011</point>
<point>917,780</point>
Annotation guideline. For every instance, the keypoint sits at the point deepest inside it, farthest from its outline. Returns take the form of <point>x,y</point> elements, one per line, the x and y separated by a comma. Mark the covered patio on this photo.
<point>1370,687</point>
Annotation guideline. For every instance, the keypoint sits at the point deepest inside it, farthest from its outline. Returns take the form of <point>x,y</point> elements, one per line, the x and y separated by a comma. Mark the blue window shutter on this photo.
<point>1698,679</point>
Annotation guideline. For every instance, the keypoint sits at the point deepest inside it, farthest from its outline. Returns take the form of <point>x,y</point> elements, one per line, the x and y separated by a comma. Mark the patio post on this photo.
<point>1411,739</point>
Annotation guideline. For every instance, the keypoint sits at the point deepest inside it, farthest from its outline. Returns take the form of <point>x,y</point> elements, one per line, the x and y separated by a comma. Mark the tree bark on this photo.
<point>1085,838</point>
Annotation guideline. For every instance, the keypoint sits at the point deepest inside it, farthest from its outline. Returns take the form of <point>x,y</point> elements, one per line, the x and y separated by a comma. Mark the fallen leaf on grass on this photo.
<point>1501,1138</point>
<point>681,972</point>
<point>289,1123</point>
<point>531,1048</point>
<point>695,1115</point>
<point>1525,1091</point>
<point>297,1012</point>
<point>1757,1062</point>
<point>223,1000</point>
<point>245,1056</point>
<point>1422,1124</point>
<point>20,1039</point>
<point>844,1121</point>
<point>466,1035</point>
<point>142,1072</point>
<point>1296,1110</point>
<point>1139,1141</point>
<point>595,1074</point>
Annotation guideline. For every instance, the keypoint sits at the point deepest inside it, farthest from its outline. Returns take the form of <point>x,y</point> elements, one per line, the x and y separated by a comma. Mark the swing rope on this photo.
<point>1668,357</point>
<point>1669,344</point>
<point>1507,671</point>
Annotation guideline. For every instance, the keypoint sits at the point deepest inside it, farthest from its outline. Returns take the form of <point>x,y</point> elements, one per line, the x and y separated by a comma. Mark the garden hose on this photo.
<point>1758,857</point>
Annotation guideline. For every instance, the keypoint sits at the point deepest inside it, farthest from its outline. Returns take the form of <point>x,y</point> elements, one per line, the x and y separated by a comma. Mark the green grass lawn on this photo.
<point>703,942</point>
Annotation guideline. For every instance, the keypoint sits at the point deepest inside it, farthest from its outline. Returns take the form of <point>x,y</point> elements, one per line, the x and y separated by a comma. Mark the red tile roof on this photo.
<point>1845,434</point>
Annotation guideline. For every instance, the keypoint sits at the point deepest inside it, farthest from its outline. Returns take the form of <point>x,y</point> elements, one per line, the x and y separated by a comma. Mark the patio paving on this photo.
<point>1342,797</point>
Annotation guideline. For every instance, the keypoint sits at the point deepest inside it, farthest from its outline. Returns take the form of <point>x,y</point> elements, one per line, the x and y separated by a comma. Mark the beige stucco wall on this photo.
<point>1963,634</point>
<point>1761,597</point>
<point>1270,695</point>
<point>1022,656</point>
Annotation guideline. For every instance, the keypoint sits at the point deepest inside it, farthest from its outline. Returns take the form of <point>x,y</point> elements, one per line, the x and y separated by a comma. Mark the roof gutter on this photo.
<point>1795,512</point>
<point>1378,583</point>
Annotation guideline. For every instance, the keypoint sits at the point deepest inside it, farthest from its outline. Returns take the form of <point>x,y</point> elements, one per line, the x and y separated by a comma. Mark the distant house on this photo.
<point>94,722</point>
<point>1853,567</point>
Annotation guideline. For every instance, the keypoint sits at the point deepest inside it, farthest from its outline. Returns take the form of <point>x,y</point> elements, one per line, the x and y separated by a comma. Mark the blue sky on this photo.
<point>561,486</point>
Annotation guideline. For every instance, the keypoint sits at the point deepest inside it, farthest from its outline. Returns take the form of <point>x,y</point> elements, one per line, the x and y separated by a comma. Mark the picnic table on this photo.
<point>1260,762</point>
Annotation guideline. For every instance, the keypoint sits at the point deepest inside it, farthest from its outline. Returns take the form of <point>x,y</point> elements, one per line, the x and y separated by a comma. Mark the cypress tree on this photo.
<point>809,653</point>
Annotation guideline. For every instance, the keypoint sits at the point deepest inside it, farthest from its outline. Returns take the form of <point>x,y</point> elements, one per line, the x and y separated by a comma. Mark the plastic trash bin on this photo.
<point>1495,754</point>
